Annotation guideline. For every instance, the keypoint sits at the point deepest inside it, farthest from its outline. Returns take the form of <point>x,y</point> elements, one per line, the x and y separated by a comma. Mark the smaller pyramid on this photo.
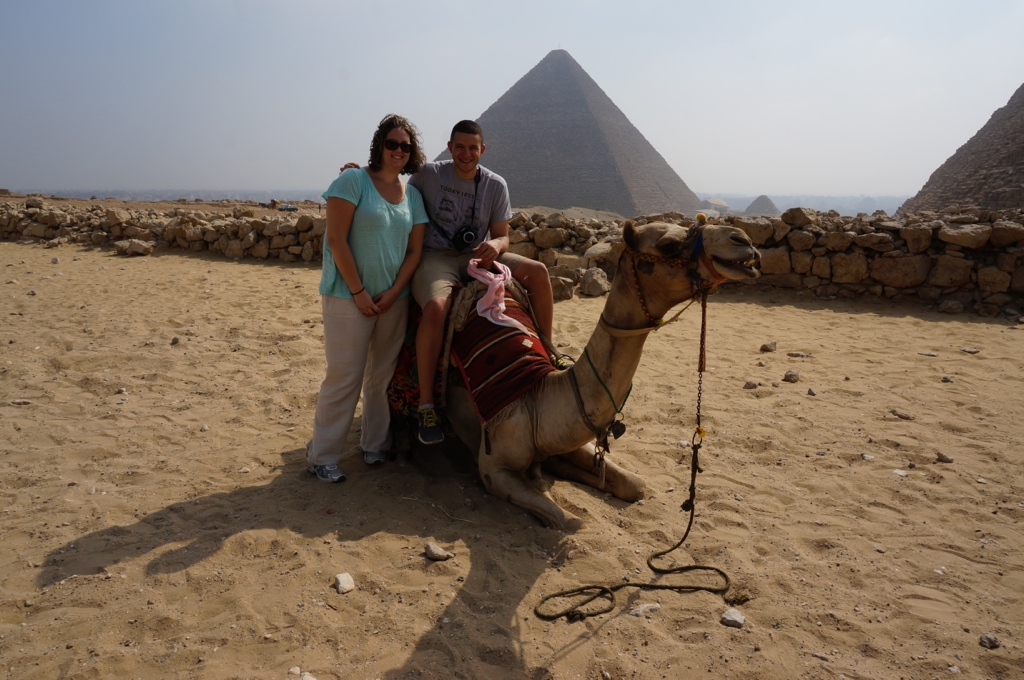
<point>762,205</point>
<point>987,171</point>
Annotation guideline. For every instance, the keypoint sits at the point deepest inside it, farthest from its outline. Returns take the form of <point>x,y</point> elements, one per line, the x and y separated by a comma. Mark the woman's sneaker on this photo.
<point>374,457</point>
<point>327,473</point>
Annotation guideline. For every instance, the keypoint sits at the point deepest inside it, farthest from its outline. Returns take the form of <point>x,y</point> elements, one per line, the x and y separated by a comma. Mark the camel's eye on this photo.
<point>645,266</point>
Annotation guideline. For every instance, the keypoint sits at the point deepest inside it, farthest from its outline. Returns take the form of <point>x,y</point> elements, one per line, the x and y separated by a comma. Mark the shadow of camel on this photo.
<point>477,634</point>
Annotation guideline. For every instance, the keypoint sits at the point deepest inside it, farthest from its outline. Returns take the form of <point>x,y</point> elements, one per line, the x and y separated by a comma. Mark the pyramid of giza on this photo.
<point>987,171</point>
<point>559,141</point>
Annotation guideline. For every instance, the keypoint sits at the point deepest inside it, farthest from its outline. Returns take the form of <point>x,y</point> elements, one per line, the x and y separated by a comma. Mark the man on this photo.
<point>468,208</point>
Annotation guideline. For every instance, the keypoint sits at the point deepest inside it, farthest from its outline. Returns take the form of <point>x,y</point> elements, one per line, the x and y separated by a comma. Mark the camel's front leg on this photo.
<point>578,466</point>
<point>513,487</point>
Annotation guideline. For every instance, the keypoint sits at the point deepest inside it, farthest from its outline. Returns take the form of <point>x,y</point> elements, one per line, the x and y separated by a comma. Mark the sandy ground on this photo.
<point>158,521</point>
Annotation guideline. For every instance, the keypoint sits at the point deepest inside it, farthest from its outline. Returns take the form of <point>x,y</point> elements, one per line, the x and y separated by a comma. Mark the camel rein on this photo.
<point>583,595</point>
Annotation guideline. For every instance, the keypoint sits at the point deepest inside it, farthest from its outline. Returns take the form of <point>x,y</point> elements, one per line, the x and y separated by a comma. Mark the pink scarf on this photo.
<point>492,305</point>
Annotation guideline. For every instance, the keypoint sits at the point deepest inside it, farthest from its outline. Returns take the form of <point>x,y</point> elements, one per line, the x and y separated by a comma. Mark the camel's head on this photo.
<point>716,252</point>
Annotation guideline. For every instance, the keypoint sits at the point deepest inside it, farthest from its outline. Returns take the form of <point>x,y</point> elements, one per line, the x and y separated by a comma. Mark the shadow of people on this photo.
<point>429,497</point>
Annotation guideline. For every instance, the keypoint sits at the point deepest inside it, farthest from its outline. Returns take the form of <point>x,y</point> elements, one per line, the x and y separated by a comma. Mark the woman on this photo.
<point>375,227</point>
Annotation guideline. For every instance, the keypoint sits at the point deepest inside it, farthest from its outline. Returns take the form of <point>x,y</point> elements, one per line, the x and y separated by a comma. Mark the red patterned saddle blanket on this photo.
<point>499,364</point>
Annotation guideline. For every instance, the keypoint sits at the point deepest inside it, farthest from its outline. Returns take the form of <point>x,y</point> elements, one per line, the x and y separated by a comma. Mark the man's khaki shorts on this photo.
<point>438,273</point>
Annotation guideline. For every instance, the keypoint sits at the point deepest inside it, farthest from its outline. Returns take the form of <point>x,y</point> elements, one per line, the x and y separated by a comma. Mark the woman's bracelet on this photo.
<point>359,291</point>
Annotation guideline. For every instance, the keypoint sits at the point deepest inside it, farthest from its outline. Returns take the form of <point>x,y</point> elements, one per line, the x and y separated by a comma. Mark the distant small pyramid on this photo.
<point>987,171</point>
<point>559,141</point>
<point>762,205</point>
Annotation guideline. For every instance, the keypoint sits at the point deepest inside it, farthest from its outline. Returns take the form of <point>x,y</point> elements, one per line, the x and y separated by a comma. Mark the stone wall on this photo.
<point>963,259</point>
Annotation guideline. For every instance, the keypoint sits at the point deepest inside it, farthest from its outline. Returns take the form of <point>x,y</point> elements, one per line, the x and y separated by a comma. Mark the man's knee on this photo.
<point>531,273</point>
<point>435,311</point>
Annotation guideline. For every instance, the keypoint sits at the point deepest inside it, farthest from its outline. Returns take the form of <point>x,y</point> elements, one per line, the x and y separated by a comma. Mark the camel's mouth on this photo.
<point>745,268</point>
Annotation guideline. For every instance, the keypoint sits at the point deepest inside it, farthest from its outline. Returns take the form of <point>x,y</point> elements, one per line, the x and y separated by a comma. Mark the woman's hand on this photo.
<point>365,304</point>
<point>386,299</point>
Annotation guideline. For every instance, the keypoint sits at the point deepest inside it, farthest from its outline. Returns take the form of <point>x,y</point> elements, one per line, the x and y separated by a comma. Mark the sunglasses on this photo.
<point>391,145</point>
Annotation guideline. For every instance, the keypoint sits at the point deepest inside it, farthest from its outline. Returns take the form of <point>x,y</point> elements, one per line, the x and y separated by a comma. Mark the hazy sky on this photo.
<point>784,97</point>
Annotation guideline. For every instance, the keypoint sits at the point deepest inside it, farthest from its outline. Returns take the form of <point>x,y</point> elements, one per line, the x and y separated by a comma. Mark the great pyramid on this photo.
<point>987,171</point>
<point>559,141</point>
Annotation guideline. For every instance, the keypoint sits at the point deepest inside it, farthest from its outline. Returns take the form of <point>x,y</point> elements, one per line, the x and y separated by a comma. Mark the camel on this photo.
<point>661,266</point>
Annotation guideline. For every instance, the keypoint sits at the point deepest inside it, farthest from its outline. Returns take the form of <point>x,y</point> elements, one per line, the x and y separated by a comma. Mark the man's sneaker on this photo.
<point>327,473</point>
<point>374,457</point>
<point>430,431</point>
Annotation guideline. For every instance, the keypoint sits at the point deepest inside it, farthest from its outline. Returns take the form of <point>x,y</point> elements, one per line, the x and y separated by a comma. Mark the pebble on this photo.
<point>982,480</point>
<point>988,641</point>
<point>799,355</point>
<point>946,379</point>
<point>820,655</point>
<point>21,402</point>
<point>970,350</point>
<point>645,609</point>
<point>761,364</point>
<point>791,377</point>
<point>54,260</point>
<point>879,549</point>
<point>928,354</point>
<point>307,676</point>
<point>31,292</point>
<point>175,340</point>
<point>867,456</point>
<point>344,583</point>
<point>901,415</point>
<point>750,385</point>
<point>811,392</point>
<point>943,458</point>
<point>204,428</point>
<point>294,670</point>
<point>901,473</point>
<point>435,552</point>
<point>769,346</point>
<point>732,618</point>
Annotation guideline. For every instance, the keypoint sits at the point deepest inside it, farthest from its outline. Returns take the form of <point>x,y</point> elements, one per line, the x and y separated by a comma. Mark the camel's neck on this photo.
<point>605,372</point>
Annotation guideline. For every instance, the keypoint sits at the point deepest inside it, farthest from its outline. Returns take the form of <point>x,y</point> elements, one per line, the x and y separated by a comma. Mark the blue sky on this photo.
<point>759,97</point>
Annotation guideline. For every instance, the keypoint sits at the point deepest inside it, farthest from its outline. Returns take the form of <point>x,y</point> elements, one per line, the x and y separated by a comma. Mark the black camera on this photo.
<point>464,237</point>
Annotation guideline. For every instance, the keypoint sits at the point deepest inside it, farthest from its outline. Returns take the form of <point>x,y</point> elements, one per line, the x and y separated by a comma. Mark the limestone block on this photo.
<point>524,248</point>
<point>561,288</point>
<point>918,238</point>
<point>234,249</point>
<point>261,249</point>
<point>759,229</point>
<point>117,216</point>
<point>966,235</point>
<point>800,217</point>
<point>801,240</point>
<point>1005,233</point>
<point>801,262</point>
<point>780,228</point>
<point>549,238</point>
<point>775,260</point>
<point>901,272</point>
<point>880,241</point>
<point>849,267</point>
<point>595,283</point>
<point>822,267</point>
<point>836,241</point>
<point>993,280</point>
<point>549,257</point>
<point>1017,281</point>
<point>304,223</point>
<point>950,271</point>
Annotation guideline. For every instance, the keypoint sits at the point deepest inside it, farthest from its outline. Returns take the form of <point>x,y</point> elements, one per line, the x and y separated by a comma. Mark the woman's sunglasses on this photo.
<point>391,145</point>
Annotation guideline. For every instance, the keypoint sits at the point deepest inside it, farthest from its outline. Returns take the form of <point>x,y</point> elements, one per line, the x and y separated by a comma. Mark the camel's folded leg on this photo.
<point>578,466</point>
<point>514,488</point>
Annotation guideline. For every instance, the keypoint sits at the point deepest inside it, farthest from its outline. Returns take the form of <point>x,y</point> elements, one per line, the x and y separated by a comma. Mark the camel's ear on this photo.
<point>671,245</point>
<point>629,234</point>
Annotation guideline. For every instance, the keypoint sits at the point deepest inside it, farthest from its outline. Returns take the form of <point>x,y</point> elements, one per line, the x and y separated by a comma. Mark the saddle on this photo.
<point>497,364</point>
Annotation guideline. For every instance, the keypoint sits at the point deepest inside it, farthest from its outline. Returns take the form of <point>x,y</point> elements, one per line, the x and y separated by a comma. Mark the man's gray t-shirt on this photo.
<point>452,201</point>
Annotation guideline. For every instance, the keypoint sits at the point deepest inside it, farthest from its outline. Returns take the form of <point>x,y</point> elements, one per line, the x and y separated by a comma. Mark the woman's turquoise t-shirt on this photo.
<point>378,237</point>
